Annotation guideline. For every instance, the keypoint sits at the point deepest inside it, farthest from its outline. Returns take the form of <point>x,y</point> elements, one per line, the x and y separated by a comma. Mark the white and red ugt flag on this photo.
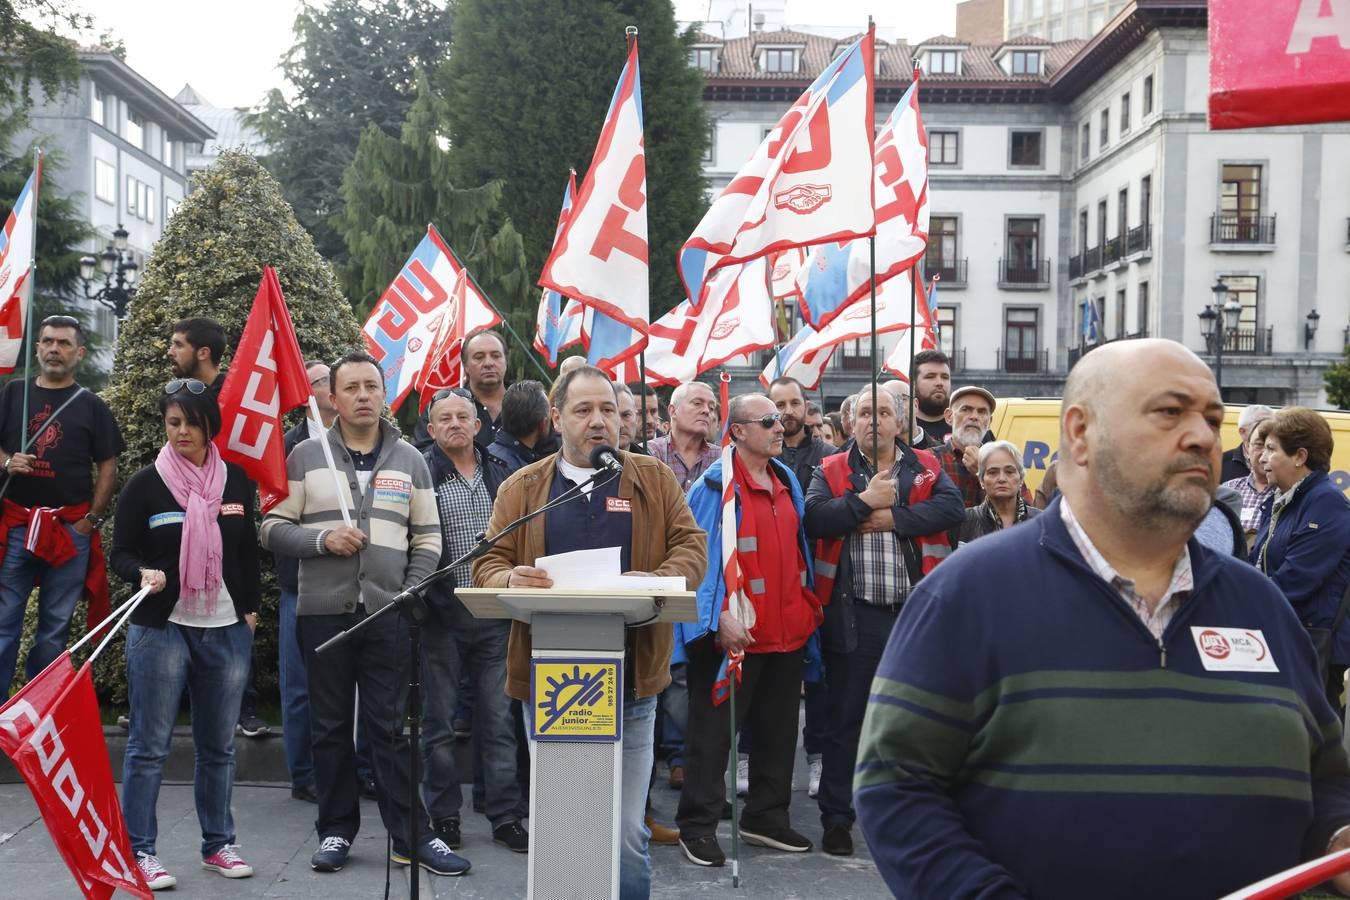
<point>404,323</point>
<point>600,256</point>
<point>16,271</point>
<point>51,730</point>
<point>267,380</point>
<point>809,182</point>
<point>839,274</point>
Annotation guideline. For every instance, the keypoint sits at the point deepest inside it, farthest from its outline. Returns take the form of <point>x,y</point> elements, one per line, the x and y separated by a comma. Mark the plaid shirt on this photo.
<point>880,575</point>
<point>663,448</point>
<point>966,481</point>
<point>1177,590</point>
<point>1251,501</point>
<point>465,507</point>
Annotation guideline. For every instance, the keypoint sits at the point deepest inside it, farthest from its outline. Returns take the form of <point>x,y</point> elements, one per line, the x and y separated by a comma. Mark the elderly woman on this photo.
<point>185,529</point>
<point>999,467</point>
<point>1303,542</point>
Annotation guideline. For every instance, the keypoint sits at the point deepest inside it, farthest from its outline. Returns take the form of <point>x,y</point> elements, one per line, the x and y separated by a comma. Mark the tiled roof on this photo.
<point>738,60</point>
<point>1025,40</point>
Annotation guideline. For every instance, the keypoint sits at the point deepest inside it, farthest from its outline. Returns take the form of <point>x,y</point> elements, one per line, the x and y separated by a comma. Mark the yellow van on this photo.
<point>1032,423</point>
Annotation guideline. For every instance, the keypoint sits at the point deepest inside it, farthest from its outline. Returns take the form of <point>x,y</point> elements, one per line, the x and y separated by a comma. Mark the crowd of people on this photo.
<point>980,670</point>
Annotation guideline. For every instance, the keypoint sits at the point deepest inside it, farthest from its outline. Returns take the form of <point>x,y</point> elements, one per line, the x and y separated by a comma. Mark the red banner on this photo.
<point>266,380</point>
<point>1278,62</point>
<point>51,730</point>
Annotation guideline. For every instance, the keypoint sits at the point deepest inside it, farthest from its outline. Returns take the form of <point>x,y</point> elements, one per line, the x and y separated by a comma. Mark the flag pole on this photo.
<point>642,376</point>
<point>32,295</point>
<point>779,313</point>
<point>872,284</point>
<point>328,458</point>
<point>913,309</point>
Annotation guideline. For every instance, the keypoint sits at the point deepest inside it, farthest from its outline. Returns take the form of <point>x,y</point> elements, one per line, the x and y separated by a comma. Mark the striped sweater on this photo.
<point>397,512</point>
<point>1027,736</point>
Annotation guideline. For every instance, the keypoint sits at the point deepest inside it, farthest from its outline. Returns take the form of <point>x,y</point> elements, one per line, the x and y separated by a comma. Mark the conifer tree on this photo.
<point>396,186</point>
<point>527,86</point>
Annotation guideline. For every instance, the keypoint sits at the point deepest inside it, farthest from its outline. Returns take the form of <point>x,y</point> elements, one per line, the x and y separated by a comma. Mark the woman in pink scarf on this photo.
<point>186,528</point>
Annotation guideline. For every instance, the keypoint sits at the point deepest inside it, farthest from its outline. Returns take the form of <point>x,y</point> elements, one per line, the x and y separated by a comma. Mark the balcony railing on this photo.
<point>1076,266</point>
<point>1247,341</point>
<point>950,271</point>
<point>1234,229</point>
<point>1077,353</point>
<point>1092,260</point>
<point>1113,250</point>
<point>1023,273</point>
<point>1139,239</point>
<point>1023,362</point>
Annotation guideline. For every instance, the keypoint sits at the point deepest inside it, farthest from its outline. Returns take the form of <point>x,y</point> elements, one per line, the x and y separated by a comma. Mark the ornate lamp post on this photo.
<point>119,271</point>
<point>1225,315</point>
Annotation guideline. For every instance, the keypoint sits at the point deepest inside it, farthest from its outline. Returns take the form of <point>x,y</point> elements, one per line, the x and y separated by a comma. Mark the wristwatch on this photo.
<point>95,520</point>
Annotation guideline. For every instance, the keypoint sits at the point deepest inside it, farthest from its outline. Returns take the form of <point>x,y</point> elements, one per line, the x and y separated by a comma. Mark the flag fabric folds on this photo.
<point>735,601</point>
<point>600,257</point>
<point>441,366</point>
<point>17,255</point>
<point>1092,324</point>
<point>267,380</point>
<point>558,325</point>
<point>837,275</point>
<point>809,182</point>
<point>806,357</point>
<point>51,731</point>
<point>928,316</point>
<point>405,320</point>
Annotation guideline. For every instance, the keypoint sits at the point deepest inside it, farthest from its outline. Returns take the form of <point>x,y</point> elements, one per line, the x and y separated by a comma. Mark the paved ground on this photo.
<point>277,838</point>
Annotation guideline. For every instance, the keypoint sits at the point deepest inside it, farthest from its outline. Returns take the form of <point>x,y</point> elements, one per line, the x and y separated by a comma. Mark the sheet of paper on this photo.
<point>589,569</point>
<point>650,583</point>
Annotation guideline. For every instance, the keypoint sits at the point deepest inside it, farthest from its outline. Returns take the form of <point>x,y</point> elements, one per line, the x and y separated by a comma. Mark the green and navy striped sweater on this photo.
<point>1027,736</point>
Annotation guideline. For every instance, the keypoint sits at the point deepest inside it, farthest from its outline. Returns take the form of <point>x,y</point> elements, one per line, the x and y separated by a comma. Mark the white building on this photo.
<point>124,144</point>
<point>1057,20</point>
<point>1083,171</point>
<point>228,124</point>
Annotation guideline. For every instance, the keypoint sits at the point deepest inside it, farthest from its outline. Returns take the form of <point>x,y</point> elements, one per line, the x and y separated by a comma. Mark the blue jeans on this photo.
<point>674,702</point>
<point>446,656</point>
<point>294,696</point>
<point>635,863</point>
<point>212,663</point>
<point>61,590</point>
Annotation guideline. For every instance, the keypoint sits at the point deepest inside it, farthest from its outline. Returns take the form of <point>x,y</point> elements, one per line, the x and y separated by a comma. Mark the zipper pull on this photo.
<point>1162,650</point>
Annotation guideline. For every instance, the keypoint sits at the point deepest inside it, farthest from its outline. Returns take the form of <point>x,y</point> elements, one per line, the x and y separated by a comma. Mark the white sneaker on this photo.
<point>157,878</point>
<point>743,775</point>
<point>816,765</point>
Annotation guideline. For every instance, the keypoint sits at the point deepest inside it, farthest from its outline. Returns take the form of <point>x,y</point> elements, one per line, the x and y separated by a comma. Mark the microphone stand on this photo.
<point>412,602</point>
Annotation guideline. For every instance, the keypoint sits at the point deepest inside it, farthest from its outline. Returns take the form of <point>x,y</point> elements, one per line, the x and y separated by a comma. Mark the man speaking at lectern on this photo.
<point>641,511</point>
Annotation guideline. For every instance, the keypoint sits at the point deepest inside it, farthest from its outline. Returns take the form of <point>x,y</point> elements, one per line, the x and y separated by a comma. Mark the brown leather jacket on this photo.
<point>666,541</point>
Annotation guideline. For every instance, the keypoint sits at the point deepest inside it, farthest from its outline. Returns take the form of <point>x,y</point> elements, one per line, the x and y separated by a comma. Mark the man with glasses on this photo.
<point>51,495</point>
<point>466,479</point>
<point>195,348</point>
<point>775,568</point>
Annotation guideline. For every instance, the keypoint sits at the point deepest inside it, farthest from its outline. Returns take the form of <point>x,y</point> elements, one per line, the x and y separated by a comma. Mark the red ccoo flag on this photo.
<point>266,381</point>
<point>50,729</point>
<point>442,367</point>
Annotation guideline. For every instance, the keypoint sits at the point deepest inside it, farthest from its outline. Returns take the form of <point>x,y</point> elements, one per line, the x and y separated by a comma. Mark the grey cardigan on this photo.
<point>397,512</point>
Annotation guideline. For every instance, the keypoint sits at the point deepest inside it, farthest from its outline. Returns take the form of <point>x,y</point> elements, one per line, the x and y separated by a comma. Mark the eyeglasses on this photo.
<point>193,386</point>
<point>768,421</point>
<point>61,322</point>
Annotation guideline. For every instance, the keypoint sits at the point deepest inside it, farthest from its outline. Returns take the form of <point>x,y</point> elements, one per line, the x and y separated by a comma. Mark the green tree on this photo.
<point>34,51</point>
<point>354,63</point>
<point>526,103</point>
<point>1337,380</point>
<point>209,263</point>
<point>396,185</point>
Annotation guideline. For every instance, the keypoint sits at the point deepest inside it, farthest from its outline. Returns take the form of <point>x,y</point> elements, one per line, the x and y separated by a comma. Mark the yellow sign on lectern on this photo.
<point>576,700</point>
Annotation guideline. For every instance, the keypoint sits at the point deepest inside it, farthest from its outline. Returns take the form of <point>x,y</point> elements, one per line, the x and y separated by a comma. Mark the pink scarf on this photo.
<point>198,490</point>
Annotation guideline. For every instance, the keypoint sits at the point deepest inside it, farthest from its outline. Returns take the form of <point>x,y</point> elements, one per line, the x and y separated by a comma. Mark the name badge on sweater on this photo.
<point>231,509</point>
<point>1233,650</point>
<point>159,520</point>
<point>393,490</point>
<point>618,504</point>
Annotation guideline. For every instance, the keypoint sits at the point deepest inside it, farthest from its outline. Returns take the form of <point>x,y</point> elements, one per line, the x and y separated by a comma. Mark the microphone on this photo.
<point>603,457</point>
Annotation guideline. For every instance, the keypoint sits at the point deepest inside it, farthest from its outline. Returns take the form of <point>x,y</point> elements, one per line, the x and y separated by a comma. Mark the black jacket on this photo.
<point>804,459</point>
<point>1234,465</point>
<point>979,522</point>
<point>828,516</point>
<point>137,545</point>
<point>512,453</point>
<point>447,612</point>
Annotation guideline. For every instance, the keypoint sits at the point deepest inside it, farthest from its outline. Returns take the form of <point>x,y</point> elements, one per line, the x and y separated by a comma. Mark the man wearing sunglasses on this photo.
<point>775,567</point>
<point>47,464</point>
<point>195,348</point>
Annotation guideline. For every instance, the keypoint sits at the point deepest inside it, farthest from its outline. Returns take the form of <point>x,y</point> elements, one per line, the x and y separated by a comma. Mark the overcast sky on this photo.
<point>229,51</point>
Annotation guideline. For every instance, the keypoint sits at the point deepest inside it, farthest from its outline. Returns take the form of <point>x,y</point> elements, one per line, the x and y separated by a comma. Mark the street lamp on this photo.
<point>119,270</point>
<point>1224,315</point>
<point>1310,329</point>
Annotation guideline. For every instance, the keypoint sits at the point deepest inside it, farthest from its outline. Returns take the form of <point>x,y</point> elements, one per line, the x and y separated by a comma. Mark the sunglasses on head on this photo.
<point>768,421</point>
<point>194,386</point>
<point>451,392</point>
